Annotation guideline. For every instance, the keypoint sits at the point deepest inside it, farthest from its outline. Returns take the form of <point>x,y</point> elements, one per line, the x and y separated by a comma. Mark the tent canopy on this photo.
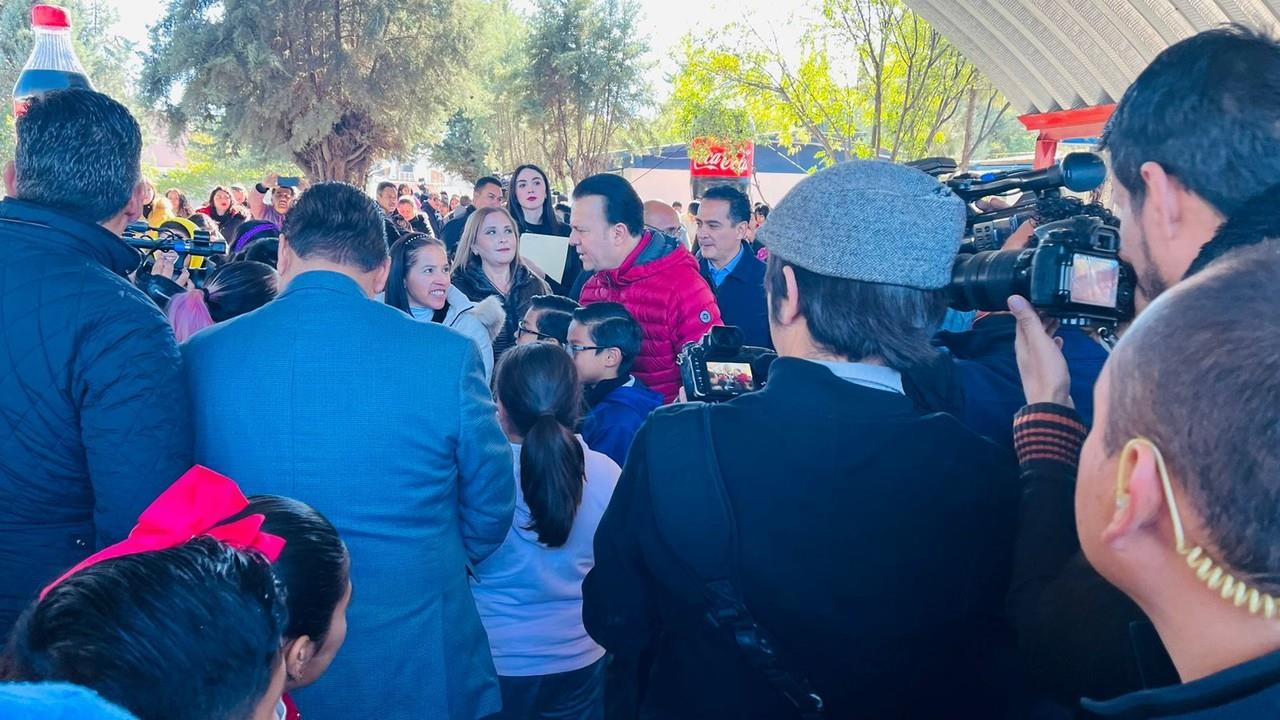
<point>1050,55</point>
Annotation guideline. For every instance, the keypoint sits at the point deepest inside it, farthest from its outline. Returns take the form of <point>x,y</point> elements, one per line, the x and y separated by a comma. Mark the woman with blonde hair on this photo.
<point>488,263</point>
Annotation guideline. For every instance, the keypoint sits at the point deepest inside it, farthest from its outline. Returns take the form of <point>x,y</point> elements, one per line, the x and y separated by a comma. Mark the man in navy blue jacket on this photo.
<point>93,409</point>
<point>604,340</point>
<point>729,266</point>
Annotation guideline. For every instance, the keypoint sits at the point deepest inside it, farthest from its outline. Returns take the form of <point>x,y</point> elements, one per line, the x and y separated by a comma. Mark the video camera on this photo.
<point>1074,273</point>
<point>1071,270</point>
<point>720,367</point>
<point>172,237</point>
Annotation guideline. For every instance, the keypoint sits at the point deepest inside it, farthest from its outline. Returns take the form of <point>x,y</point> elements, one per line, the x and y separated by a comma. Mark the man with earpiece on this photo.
<point>1181,465</point>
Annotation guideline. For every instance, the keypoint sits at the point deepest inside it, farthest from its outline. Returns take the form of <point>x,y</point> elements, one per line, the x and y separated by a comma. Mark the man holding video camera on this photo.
<point>867,543</point>
<point>1195,154</point>
<point>92,404</point>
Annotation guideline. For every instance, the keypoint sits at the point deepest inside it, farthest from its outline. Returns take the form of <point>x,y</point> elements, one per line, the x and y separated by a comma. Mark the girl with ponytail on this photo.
<point>529,592</point>
<point>233,289</point>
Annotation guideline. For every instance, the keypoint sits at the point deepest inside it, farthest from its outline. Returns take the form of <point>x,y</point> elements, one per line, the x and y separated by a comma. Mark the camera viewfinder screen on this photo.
<point>1094,280</point>
<point>730,377</point>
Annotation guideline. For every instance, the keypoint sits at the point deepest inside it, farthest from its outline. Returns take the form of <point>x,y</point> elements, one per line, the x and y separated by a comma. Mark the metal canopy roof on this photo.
<point>1048,55</point>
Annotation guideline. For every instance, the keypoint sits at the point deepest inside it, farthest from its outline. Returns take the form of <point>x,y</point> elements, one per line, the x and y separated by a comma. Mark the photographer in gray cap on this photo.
<point>820,548</point>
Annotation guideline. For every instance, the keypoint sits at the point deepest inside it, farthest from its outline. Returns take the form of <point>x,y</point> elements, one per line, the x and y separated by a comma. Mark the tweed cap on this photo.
<point>869,220</point>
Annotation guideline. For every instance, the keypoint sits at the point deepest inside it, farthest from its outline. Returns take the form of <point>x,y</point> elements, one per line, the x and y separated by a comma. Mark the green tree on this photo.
<point>870,79</point>
<point>582,81</point>
<point>209,165</point>
<point>464,147</point>
<point>105,56</point>
<point>334,85</point>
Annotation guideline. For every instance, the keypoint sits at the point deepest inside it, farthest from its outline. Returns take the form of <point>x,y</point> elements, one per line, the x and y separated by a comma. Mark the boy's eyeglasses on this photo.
<point>575,349</point>
<point>521,330</point>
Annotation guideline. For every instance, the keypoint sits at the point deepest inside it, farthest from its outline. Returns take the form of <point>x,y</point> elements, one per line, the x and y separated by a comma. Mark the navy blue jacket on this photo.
<point>615,419</point>
<point>741,298</point>
<point>94,414</point>
<point>988,371</point>
<point>1244,692</point>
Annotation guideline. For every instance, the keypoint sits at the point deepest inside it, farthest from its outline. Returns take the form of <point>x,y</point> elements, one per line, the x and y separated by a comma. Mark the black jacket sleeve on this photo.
<point>135,420</point>
<point>618,605</point>
<point>1076,631</point>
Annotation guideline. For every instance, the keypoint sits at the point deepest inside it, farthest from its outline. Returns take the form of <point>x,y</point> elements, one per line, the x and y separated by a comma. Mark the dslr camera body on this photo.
<point>719,367</point>
<point>1071,269</point>
<point>1073,273</point>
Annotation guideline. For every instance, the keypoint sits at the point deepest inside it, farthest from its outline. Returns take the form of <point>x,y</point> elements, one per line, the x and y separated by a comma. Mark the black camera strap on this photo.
<point>708,546</point>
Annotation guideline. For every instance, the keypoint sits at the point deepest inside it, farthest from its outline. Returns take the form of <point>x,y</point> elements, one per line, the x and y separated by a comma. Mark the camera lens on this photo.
<point>985,280</point>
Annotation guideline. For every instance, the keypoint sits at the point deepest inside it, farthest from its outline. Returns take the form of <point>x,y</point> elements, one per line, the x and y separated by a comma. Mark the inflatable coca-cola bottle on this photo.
<point>53,64</point>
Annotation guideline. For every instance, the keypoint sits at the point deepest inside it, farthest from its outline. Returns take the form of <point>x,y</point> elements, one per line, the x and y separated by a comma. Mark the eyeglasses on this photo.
<point>575,349</point>
<point>521,330</point>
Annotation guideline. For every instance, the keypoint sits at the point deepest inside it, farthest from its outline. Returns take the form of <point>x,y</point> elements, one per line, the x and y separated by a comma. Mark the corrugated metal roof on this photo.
<point>1047,55</point>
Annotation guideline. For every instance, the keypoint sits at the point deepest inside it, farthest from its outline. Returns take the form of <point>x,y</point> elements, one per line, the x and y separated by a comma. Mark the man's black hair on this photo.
<point>694,206</point>
<point>486,180</point>
<point>739,205</point>
<point>79,152</point>
<point>610,325</point>
<point>338,223</point>
<point>622,205</point>
<point>188,633</point>
<point>383,186</point>
<point>861,320</point>
<point>555,314</point>
<point>1198,374</point>
<point>1205,109</point>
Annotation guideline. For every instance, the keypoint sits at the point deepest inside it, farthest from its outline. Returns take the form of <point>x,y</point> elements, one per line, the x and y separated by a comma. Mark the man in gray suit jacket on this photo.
<point>383,424</point>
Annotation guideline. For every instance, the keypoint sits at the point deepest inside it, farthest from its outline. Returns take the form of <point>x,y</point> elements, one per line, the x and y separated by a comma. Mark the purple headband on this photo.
<point>246,238</point>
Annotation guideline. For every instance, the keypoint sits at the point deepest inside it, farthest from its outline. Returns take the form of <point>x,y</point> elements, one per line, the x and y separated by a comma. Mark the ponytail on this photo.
<point>552,466</point>
<point>537,386</point>
<point>188,313</point>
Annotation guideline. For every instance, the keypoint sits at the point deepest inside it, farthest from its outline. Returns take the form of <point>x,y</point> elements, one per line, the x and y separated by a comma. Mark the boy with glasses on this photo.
<point>604,340</point>
<point>546,320</point>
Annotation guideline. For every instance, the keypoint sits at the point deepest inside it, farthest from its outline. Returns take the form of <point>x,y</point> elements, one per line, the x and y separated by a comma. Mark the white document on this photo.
<point>548,252</point>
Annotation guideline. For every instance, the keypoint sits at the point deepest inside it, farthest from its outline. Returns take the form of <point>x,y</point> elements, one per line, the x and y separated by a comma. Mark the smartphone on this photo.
<point>289,182</point>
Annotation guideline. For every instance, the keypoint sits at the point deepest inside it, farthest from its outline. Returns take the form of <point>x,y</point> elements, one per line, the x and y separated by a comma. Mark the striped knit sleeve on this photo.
<point>1048,436</point>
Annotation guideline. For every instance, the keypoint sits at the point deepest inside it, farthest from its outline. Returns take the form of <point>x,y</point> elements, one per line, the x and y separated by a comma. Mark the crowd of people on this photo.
<point>371,461</point>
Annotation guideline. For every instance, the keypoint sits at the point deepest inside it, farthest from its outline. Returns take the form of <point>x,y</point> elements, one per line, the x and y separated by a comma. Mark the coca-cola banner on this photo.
<point>709,158</point>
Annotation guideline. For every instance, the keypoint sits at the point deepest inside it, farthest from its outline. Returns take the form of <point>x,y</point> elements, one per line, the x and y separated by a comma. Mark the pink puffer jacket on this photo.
<point>660,285</point>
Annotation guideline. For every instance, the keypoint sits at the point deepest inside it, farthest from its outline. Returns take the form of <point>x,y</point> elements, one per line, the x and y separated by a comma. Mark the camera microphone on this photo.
<point>1078,172</point>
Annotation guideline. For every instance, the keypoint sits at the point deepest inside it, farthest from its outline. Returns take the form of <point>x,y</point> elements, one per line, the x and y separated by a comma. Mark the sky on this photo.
<point>665,22</point>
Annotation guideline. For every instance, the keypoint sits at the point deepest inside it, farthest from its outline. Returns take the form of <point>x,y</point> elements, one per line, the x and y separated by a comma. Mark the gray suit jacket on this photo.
<point>386,426</point>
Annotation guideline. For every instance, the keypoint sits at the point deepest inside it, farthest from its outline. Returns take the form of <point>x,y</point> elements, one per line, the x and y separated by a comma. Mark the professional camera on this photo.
<point>180,236</point>
<point>1070,270</point>
<point>173,236</point>
<point>1074,273</point>
<point>719,367</point>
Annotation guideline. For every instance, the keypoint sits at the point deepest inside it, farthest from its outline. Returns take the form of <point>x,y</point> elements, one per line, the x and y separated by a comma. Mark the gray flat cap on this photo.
<point>869,220</point>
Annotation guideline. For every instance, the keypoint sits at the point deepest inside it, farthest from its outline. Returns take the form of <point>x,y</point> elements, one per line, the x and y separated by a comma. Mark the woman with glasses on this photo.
<point>529,592</point>
<point>488,264</point>
<point>419,284</point>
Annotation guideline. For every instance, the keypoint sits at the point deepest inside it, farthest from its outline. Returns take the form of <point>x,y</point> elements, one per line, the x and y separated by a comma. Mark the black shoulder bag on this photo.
<point>709,547</point>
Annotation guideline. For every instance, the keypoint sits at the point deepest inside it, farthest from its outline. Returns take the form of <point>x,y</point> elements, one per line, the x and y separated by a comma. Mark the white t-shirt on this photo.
<point>530,595</point>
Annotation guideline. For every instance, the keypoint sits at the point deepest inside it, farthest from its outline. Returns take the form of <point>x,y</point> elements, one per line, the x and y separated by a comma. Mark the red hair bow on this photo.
<point>193,506</point>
